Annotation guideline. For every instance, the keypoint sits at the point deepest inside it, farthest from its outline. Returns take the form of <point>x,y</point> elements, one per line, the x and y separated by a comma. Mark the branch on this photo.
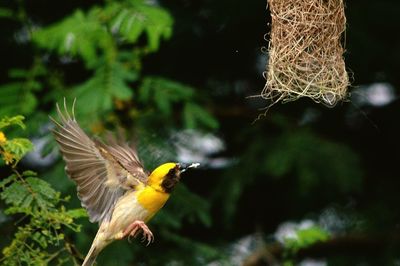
<point>73,251</point>
<point>366,245</point>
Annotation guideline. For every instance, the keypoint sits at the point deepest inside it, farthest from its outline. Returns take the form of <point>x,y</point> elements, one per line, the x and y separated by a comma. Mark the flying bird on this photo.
<point>112,184</point>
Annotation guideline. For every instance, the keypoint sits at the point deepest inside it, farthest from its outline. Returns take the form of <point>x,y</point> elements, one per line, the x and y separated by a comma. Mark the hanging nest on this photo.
<point>305,52</point>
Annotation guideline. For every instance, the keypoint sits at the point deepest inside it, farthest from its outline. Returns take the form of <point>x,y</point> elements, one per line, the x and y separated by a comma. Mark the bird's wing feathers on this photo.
<point>129,160</point>
<point>102,173</point>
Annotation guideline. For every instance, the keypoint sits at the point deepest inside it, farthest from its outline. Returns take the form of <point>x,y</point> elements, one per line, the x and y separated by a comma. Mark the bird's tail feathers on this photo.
<point>98,244</point>
<point>91,256</point>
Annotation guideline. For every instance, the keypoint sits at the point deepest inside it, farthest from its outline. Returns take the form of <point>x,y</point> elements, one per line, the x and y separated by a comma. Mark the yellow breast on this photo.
<point>152,200</point>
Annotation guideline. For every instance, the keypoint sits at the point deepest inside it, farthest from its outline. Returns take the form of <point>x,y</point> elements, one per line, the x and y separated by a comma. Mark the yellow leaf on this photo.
<point>3,138</point>
<point>8,157</point>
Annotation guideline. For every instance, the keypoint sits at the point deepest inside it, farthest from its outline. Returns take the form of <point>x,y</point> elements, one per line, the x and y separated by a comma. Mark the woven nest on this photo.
<point>305,51</point>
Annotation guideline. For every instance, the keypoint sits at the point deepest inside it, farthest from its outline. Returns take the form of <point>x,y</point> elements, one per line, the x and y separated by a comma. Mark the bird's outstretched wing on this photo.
<point>102,173</point>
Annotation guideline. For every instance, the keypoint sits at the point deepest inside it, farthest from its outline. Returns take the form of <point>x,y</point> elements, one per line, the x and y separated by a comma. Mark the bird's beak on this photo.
<point>183,167</point>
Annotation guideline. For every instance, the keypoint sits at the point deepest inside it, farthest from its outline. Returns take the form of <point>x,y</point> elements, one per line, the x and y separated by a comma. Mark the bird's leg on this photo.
<point>134,228</point>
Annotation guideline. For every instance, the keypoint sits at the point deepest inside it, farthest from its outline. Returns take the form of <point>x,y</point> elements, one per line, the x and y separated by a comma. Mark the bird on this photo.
<point>112,183</point>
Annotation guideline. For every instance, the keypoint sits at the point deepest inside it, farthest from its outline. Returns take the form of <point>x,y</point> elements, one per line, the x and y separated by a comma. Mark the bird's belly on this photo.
<point>126,211</point>
<point>138,205</point>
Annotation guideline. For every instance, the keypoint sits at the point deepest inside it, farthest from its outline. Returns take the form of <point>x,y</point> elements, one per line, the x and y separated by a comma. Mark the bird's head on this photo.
<point>166,176</point>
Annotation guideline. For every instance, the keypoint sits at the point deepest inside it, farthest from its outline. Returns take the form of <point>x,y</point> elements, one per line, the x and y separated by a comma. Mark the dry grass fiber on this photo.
<point>305,52</point>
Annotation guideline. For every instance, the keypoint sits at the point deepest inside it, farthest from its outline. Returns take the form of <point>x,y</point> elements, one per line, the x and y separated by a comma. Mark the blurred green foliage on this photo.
<point>39,238</point>
<point>109,42</point>
<point>305,238</point>
<point>12,150</point>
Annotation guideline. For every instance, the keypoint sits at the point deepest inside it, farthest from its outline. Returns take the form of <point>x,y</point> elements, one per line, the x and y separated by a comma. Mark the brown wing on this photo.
<point>126,155</point>
<point>102,173</point>
<point>129,160</point>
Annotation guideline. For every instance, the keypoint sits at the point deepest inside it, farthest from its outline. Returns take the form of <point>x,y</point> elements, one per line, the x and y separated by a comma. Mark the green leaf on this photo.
<point>280,163</point>
<point>28,192</point>
<point>195,115</point>
<point>133,18</point>
<point>305,238</point>
<point>18,73</point>
<point>77,213</point>
<point>7,180</point>
<point>109,81</point>
<point>164,93</point>
<point>77,35</point>
<point>45,194</point>
<point>86,35</point>
<point>15,98</point>
<point>6,13</point>
<point>15,120</point>
<point>18,147</point>
<point>314,160</point>
<point>14,194</point>
<point>159,25</point>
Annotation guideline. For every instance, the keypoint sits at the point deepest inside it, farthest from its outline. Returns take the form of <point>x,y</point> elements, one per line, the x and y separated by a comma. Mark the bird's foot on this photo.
<point>133,229</point>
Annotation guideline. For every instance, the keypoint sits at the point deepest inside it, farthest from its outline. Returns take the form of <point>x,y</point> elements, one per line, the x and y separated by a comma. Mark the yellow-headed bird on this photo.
<point>112,184</point>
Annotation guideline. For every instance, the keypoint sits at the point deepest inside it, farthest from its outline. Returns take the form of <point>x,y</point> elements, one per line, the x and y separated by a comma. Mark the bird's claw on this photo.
<point>133,230</point>
<point>148,237</point>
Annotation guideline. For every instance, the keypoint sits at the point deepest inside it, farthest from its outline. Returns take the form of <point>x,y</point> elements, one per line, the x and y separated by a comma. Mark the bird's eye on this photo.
<point>168,183</point>
<point>171,172</point>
